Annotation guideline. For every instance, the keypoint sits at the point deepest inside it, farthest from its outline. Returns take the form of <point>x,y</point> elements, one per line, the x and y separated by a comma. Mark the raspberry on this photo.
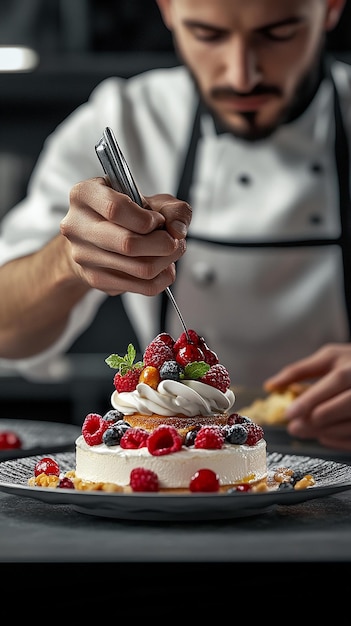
<point>166,338</point>
<point>47,465</point>
<point>93,429</point>
<point>156,353</point>
<point>9,440</point>
<point>183,341</point>
<point>127,381</point>
<point>209,438</point>
<point>254,433</point>
<point>134,438</point>
<point>217,376</point>
<point>164,440</point>
<point>143,480</point>
<point>204,480</point>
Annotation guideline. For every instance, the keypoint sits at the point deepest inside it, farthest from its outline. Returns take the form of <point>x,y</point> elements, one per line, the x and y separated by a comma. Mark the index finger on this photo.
<point>95,194</point>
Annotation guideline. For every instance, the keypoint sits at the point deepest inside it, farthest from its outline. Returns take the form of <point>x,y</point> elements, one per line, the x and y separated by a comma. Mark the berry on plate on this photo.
<point>143,480</point>
<point>204,480</point>
<point>47,466</point>
<point>9,440</point>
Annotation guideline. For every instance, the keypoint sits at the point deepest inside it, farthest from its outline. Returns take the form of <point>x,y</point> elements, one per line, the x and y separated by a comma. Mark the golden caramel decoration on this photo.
<point>44,480</point>
<point>150,376</point>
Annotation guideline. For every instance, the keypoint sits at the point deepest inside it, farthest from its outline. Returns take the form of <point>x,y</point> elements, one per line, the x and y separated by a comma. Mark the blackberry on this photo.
<point>113,416</point>
<point>113,435</point>
<point>171,370</point>
<point>236,434</point>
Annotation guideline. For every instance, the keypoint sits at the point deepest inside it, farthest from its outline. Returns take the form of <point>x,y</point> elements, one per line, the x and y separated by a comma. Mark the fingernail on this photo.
<point>296,427</point>
<point>180,227</point>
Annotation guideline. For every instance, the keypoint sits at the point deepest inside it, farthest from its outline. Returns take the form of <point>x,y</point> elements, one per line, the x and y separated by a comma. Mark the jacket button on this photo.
<point>245,179</point>
<point>316,168</point>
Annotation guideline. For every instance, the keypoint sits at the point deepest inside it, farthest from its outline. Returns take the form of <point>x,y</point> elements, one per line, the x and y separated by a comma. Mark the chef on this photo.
<point>252,132</point>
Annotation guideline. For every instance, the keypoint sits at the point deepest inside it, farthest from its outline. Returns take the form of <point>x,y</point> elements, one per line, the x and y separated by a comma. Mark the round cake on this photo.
<point>172,424</point>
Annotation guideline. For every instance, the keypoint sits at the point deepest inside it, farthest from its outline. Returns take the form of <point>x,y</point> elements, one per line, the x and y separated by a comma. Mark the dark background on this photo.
<point>80,42</point>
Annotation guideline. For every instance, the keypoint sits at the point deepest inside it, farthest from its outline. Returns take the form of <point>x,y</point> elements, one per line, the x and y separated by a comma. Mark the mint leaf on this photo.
<point>114,361</point>
<point>195,370</point>
<point>124,363</point>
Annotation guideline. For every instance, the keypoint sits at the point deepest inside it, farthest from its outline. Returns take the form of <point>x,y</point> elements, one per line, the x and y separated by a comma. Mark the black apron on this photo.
<point>342,158</point>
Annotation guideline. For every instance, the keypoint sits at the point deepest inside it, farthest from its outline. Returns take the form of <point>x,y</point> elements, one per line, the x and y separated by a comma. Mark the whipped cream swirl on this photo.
<point>188,397</point>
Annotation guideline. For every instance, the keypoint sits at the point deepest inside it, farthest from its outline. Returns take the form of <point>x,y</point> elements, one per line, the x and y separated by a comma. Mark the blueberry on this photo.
<point>122,424</point>
<point>113,435</point>
<point>236,434</point>
<point>190,436</point>
<point>113,416</point>
<point>243,419</point>
<point>171,370</point>
<point>285,486</point>
<point>237,418</point>
<point>298,475</point>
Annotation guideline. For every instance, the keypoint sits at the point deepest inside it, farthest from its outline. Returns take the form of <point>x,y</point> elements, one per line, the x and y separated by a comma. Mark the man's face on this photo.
<point>249,58</point>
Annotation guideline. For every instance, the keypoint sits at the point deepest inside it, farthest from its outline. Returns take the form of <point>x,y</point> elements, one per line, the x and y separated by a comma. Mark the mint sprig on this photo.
<point>124,363</point>
<point>195,370</point>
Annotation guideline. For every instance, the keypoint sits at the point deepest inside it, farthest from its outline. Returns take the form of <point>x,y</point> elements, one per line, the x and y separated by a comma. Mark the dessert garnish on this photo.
<point>10,440</point>
<point>171,429</point>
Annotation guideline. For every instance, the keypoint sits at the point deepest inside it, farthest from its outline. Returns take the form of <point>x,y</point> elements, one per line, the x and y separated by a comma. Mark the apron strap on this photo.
<point>186,177</point>
<point>183,191</point>
<point>342,158</point>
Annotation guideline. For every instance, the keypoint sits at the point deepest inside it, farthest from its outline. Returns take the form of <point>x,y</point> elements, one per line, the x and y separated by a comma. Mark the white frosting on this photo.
<point>232,463</point>
<point>188,397</point>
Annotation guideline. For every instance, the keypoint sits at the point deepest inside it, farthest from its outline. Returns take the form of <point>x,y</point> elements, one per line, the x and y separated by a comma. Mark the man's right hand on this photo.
<point>107,242</point>
<point>117,246</point>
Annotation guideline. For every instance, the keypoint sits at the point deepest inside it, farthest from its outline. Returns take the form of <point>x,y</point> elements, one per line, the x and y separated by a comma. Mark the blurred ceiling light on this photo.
<point>18,59</point>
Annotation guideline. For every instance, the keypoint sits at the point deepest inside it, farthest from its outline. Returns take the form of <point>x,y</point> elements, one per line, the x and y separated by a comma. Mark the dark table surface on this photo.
<point>317,531</point>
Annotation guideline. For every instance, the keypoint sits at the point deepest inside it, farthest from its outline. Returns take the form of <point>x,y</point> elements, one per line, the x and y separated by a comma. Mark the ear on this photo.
<point>334,11</point>
<point>165,10</point>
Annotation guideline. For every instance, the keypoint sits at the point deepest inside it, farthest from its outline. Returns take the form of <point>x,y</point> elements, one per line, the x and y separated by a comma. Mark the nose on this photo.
<point>241,66</point>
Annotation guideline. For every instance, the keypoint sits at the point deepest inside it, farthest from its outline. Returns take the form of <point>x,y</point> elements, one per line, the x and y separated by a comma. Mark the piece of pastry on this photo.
<point>270,410</point>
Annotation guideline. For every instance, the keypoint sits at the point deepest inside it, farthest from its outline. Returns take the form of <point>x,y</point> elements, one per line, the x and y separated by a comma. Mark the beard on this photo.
<point>252,131</point>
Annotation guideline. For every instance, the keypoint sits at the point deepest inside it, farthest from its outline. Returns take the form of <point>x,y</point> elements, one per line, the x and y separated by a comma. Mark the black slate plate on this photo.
<point>38,437</point>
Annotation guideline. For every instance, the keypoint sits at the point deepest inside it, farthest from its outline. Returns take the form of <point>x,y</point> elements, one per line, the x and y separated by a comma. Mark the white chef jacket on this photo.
<point>259,305</point>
